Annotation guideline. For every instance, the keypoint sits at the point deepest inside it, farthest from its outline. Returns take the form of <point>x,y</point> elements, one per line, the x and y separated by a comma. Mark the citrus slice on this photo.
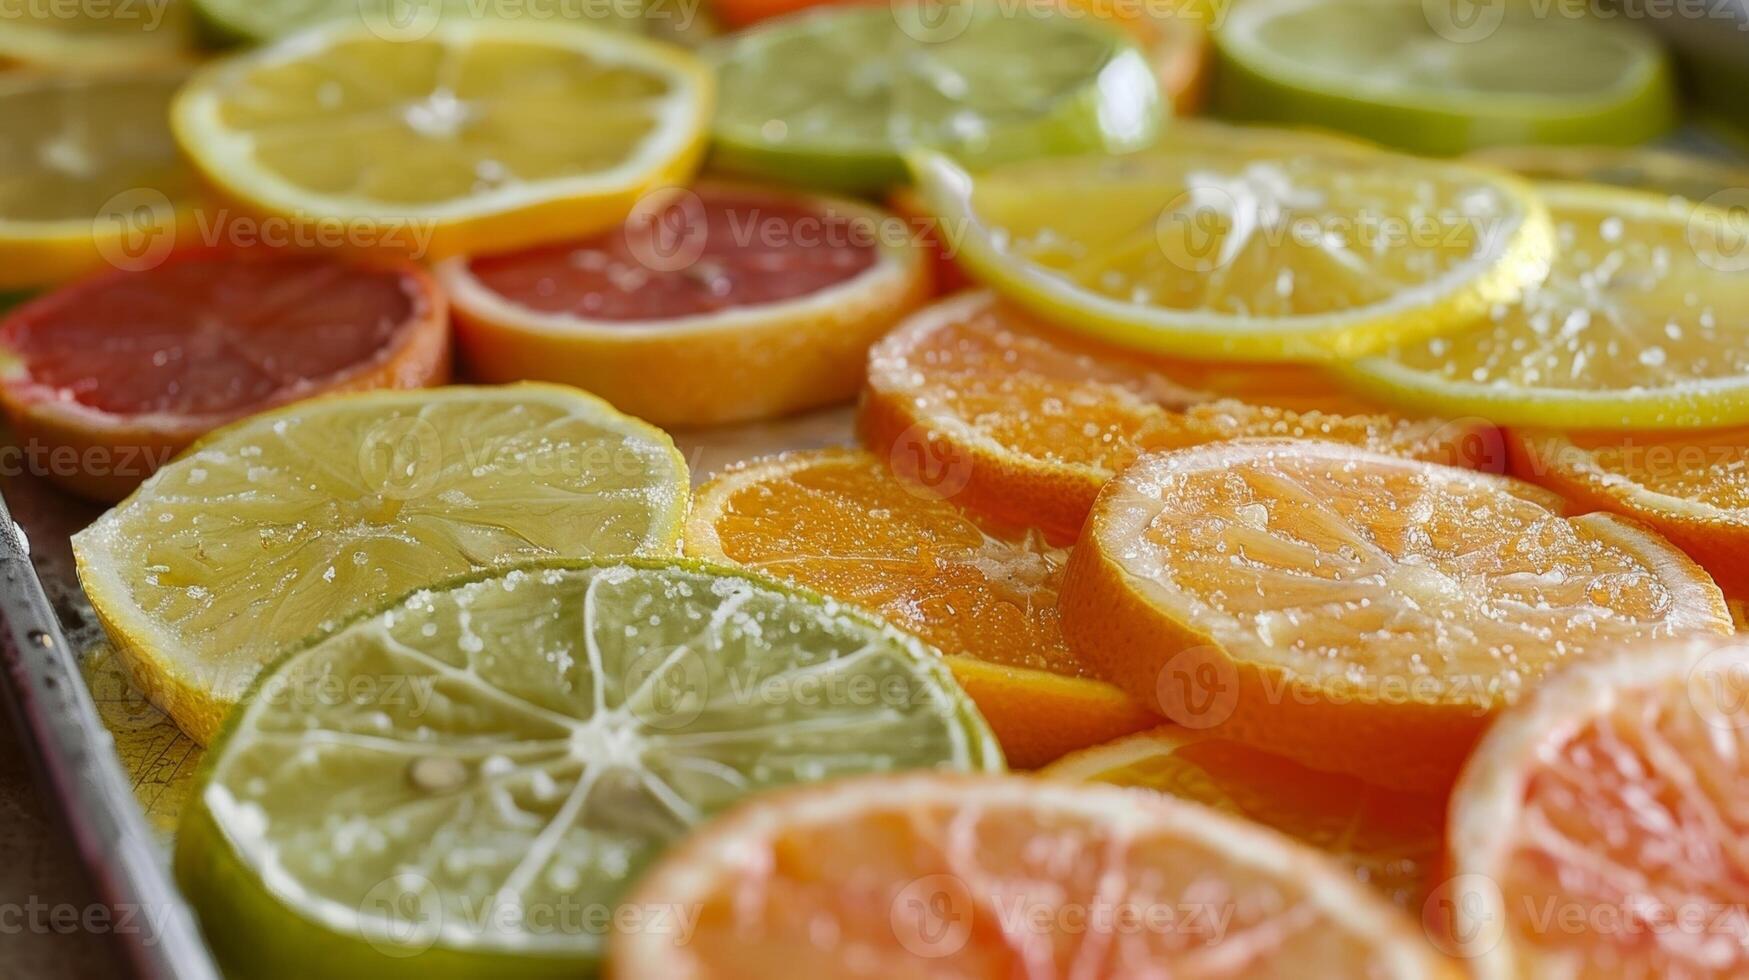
<point>288,522</point>
<point>834,96</point>
<point>1438,78</point>
<point>1692,487</point>
<point>723,303</point>
<point>255,21</point>
<point>1173,34</point>
<point>1641,324</point>
<point>1636,168</point>
<point>480,135</point>
<point>127,368</point>
<point>1391,840</point>
<point>986,596</point>
<point>935,875</point>
<point>92,175</point>
<point>1355,612</point>
<point>513,748</point>
<point>1033,421</point>
<point>1252,245</point>
<point>926,230</point>
<point>100,37</point>
<point>1613,797</point>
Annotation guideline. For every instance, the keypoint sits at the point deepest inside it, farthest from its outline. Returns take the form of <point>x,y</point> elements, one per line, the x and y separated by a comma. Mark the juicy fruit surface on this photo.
<point>753,249</point>
<point>988,379</point>
<point>291,521</point>
<point>840,522</point>
<point>990,85</point>
<point>1251,247</point>
<point>1391,839</point>
<point>564,722</point>
<point>1350,568</point>
<point>920,875</point>
<point>212,336</point>
<point>1639,324</point>
<point>71,145</point>
<point>1616,793</point>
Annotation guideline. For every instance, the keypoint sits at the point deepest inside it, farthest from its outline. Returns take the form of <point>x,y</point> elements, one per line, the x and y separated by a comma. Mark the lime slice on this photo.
<point>293,520</point>
<point>832,97</point>
<point>1238,243</point>
<point>1660,171</point>
<point>1642,323</point>
<point>253,21</point>
<point>510,751</point>
<point>1439,78</point>
<point>70,36</point>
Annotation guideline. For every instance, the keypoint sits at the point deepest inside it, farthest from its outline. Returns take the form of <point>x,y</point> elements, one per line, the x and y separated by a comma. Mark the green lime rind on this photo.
<point>224,23</point>
<point>277,859</point>
<point>1405,76</point>
<point>833,97</point>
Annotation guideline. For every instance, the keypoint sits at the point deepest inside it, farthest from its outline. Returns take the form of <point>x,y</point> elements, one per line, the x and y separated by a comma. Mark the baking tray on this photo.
<point>112,767</point>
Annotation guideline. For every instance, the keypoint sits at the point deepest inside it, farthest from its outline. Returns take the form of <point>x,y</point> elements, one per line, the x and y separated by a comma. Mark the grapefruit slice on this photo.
<point>986,596</point>
<point>1037,419</point>
<point>1356,612</point>
<point>723,303</point>
<point>1391,840</point>
<point>125,368</point>
<point>928,875</point>
<point>1598,829</point>
<point>1693,487</point>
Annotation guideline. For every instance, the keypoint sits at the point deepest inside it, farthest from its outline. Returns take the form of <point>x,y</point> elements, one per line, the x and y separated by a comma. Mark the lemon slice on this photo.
<point>89,175</point>
<point>834,96</point>
<point>1249,247</point>
<point>1643,323</point>
<point>512,750</point>
<point>1439,77</point>
<point>68,36</point>
<point>289,522</point>
<point>478,136</point>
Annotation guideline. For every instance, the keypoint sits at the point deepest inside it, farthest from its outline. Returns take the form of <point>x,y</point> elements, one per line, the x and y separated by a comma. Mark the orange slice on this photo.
<point>1597,832</point>
<point>1038,419</point>
<point>107,378</point>
<point>1353,611</point>
<point>929,875</point>
<point>724,303</point>
<point>838,522</point>
<point>1693,487</point>
<point>1391,840</point>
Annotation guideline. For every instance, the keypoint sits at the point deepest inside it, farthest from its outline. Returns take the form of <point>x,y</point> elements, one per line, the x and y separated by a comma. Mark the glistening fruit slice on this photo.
<point>1392,840</point>
<point>928,875</point>
<point>833,97</point>
<point>1692,487</point>
<point>985,595</point>
<point>127,368</point>
<point>481,135</point>
<point>1257,246</point>
<point>1029,421</point>
<point>291,521</point>
<point>512,749</point>
<point>1356,612</point>
<point>1643,323</point>
<point>716,304</point>
<point>1613,797</point>
<point>1638,168</point>
<point>1443,78</point>
<point>70,37</point>
<point>92,175</point>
